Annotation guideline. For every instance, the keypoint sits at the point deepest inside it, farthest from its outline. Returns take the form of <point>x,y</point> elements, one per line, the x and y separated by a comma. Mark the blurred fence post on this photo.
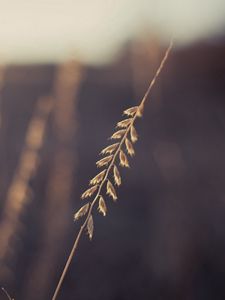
<point>19,192</point>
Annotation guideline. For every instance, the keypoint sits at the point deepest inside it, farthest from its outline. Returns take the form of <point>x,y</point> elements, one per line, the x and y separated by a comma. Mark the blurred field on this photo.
<point>165,238</point>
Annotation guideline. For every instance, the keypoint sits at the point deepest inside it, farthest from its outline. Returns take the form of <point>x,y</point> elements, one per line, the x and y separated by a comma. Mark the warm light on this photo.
<point>50,30</point>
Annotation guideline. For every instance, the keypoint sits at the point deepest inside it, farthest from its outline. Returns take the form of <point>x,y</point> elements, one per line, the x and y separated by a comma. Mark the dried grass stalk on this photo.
<point>7,294</point>
<point>110,161</point>
<point>19,192</point>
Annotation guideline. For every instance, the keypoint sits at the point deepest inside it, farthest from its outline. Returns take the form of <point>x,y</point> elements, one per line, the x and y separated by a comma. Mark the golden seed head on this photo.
<point>117,177</point>
<point>81,212</point>
<point>89,192</point>
<point>129,146</point>
<point>123,159</point>
<point>111,190</point>
<point>124,123</point>
<point>118,134</point>
<point>110,149</point>
<point>131,111</point>
<point>102,206</point>
<point>98,178</point>
<point>133,134</point>
<point>104,161</point>
<point>90,227</point>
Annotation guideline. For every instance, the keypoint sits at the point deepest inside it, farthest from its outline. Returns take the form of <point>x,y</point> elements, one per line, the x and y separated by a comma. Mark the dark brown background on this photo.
<point>165,237</point>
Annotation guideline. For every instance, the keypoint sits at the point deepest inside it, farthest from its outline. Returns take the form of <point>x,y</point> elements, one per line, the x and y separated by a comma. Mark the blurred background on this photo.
<point>67,71</point>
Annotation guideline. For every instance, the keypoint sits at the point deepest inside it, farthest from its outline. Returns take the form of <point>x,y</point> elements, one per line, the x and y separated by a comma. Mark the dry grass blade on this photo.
<point>110,149</point>
<point>123,159</point>
<point>111,190</point>
<point>102,206</point>
<point>98,178</point>
<point>89,192</point>
<point>124,123</point>
<point>133,134</point>
<point>90,227</point>
<point>81,212</point>
<point>118,134</point>
<point>104,161</point>
<point>117,177</point>
<point>129,146</point>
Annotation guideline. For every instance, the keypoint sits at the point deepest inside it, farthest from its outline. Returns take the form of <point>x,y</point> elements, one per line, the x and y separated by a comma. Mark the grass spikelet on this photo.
<point>124,123</point>
<point>133,134</point>
<point>98,178</point>
<point>140,110</point>
<point>123,159</point>
<point>131,111</point>
<point>110,149</point>
<point>104,161</point>
<point>117,177</point>
<point>81,212</point>
<point>118,134</point>
<point>102,206</point>
<point>90,227</point>
<point>111,190</point>
<point>129,146</point>
<point>89,192</point>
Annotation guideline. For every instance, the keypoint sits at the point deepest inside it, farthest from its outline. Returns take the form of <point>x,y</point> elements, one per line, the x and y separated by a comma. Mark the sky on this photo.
<point>52,30</point>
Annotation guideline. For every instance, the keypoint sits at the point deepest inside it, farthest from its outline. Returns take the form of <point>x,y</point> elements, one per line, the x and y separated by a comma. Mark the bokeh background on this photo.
<point>67,71</point>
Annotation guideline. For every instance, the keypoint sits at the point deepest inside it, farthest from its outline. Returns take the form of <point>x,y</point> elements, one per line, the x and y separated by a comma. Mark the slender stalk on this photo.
<point>6,293</point>
<point>141,106</point>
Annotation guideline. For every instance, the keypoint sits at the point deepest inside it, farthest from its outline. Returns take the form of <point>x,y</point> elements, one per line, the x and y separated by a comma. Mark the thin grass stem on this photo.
<point>110,166</point>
